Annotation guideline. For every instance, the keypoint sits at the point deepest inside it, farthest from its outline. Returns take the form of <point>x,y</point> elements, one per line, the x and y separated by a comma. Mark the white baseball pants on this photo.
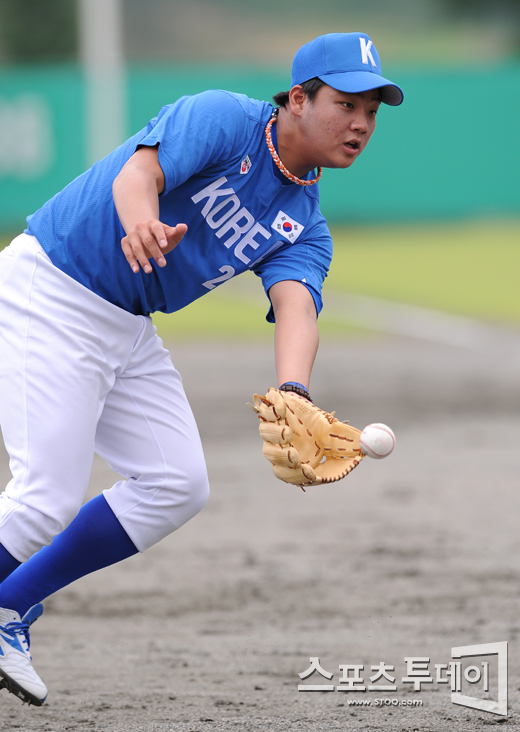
<point>79,375</point>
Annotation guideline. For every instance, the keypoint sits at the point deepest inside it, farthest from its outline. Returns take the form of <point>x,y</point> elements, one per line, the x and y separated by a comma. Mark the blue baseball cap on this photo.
<point>347,62</point>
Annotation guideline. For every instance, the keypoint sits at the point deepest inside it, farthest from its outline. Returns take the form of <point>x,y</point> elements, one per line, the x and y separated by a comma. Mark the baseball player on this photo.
<point>217,184</point>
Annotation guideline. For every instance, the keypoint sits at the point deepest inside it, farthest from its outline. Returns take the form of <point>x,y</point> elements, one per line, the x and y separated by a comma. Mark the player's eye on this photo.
<point>348,105</point>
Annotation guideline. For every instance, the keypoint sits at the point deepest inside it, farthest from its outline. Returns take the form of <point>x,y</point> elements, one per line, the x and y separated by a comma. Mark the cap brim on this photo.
<point>354,82</point>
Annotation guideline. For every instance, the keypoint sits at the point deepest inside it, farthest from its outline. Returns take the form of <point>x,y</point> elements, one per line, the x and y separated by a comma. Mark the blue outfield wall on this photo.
<point>450,151</point>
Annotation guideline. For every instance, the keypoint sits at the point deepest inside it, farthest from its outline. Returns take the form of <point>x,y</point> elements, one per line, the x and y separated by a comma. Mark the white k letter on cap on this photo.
<point>366,52</point>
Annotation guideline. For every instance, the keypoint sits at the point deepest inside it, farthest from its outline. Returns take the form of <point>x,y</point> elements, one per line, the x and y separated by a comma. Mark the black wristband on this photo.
<point>297,388</point>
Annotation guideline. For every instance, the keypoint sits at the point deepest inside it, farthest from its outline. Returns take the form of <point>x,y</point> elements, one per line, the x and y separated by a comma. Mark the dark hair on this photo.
<point>310,88</point>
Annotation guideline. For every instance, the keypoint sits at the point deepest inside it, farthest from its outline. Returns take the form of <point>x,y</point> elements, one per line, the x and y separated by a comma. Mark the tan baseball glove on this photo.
<point>305,445</point>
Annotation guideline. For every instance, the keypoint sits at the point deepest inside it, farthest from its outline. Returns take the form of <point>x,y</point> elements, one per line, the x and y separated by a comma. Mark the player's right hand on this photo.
<point>151,240</point>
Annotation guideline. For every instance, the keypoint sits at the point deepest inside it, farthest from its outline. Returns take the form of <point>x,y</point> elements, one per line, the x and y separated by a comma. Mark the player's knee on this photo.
<point>194,493</point>
<point>200,494</point>
<point>178,496</point>
<point>175,504</point>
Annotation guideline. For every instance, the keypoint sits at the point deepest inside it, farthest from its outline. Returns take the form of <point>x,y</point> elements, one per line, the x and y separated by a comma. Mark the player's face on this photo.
<point>337,126</point>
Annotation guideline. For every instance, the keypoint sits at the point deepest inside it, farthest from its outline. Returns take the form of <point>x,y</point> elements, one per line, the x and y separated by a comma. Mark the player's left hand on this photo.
<point>151,239</point>
<point>304,444</point>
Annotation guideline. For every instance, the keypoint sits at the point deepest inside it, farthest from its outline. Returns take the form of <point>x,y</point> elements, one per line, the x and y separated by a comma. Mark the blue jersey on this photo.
<point>221,181</point>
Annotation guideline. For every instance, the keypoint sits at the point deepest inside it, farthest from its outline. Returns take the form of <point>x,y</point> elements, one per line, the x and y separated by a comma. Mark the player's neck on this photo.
<point>291,148</point>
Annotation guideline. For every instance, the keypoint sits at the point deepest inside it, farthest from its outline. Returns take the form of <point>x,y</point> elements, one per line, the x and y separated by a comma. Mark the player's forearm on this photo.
<point>136,197</point>
<point>296,345</point>
<point>296,335</point>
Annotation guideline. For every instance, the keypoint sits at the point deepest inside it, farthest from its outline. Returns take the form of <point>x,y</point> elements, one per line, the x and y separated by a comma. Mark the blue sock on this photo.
<point>7,563</point>
<point>95,539</point>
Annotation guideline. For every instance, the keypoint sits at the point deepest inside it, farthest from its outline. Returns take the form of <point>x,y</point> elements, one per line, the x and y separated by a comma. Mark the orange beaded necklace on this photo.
<point>277,160</point>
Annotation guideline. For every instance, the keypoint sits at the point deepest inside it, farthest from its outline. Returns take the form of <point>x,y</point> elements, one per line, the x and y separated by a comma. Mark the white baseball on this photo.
<point>377,441</point>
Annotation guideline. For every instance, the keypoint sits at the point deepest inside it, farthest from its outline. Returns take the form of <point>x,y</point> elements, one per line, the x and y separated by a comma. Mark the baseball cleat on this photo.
<point>16,672</point>
<point>32,614</point>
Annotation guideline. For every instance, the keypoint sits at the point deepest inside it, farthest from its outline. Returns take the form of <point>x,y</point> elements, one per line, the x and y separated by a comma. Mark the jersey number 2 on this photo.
<point>227,274</point>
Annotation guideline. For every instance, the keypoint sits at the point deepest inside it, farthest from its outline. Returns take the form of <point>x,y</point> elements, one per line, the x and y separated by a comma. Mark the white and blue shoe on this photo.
<point>33,613</point>
<point>16,672</point>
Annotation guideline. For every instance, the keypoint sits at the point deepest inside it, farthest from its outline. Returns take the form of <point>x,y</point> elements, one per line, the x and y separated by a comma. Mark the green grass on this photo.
<point>468,269</point>
<point>216,316</point>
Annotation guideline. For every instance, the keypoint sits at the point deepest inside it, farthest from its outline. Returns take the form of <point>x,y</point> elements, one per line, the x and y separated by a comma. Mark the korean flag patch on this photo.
<point>287,227</point>
<point>245,165</point>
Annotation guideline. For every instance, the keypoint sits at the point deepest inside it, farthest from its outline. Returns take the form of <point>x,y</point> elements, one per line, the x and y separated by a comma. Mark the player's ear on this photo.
<point>297,99</point>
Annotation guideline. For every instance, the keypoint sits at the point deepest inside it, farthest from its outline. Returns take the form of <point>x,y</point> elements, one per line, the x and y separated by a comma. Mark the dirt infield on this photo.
<point>407,557</point>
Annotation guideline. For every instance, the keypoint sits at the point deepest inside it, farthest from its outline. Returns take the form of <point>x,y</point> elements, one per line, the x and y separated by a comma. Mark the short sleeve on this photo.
<point>195,133</point>
<point>305,261</point>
